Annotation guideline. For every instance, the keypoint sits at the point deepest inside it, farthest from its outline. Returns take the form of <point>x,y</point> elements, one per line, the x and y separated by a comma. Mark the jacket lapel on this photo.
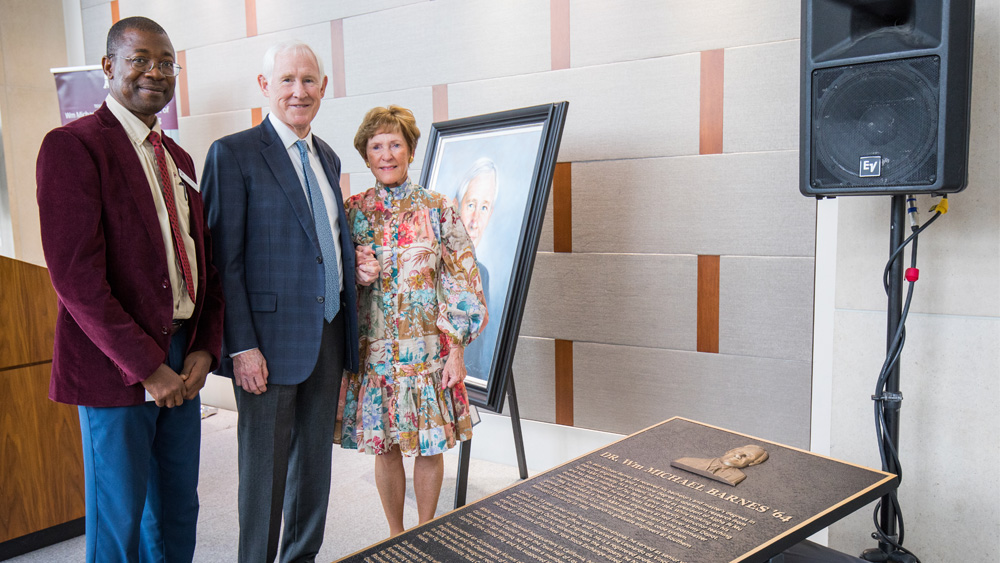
<point>276,156</point>
<point>134,176</point>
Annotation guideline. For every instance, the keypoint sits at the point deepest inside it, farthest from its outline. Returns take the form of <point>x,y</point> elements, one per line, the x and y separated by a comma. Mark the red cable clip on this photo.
<point>912,274</point>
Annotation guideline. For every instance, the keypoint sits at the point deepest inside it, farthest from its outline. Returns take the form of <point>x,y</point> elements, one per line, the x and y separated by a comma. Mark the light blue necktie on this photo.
<point>331,301</point>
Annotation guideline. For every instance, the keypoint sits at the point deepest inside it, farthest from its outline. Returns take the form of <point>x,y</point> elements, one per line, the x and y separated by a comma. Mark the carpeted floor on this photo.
<point>354,520</point>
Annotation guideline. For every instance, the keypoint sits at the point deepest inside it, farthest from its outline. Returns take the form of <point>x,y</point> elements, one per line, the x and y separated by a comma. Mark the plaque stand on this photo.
<point>465,448</point>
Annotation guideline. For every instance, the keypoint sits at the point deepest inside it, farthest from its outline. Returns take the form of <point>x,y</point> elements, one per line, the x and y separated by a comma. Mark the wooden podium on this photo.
<point>41,457</point>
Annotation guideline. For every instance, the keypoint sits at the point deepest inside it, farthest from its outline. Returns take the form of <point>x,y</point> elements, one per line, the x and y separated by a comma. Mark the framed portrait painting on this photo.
<point>497,168</point>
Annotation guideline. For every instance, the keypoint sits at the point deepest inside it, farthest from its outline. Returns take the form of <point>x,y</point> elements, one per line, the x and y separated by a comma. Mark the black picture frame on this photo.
<point>522,145</point>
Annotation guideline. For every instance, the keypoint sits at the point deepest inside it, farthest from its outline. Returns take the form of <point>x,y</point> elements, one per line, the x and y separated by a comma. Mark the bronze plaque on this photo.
<point>677,492</point>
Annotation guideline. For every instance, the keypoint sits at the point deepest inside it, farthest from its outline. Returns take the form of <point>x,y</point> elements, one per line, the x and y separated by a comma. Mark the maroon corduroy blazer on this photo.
<point>104,250</point>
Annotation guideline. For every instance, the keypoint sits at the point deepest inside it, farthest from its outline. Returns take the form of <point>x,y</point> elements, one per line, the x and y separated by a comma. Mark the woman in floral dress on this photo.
<point>420,304</point>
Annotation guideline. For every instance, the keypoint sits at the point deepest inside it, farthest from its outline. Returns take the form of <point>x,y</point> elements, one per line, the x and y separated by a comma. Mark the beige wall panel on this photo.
<point>958,256</point>
<point>639,300</point>
<point>625,389</point>
<point>37,113</point>
<point>947,429</point>
<point>200,131</point>
<point>744,204</point>
<point>627,110</point>
<point>33,42</point>
<point>545,238</point>
<point>535,379</point>
<point>215,87</point>
<point>604,32</point>
<point>276,15</point>
<point>361,181</point>
<point>193,23</point>
<point>444,42</point>
<point>96,23</point>
<point>766,307</point>
<point>339,118</point>
<point>761,98</point>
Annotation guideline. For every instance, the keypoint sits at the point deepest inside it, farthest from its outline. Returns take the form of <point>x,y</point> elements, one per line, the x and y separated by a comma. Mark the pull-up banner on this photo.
<point>82,90</point>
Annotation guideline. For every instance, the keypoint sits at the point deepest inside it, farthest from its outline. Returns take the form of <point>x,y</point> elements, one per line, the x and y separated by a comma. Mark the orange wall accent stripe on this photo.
<point>345,185</point>
<point>183,109</point>
<point>115,14</point>
<point>256,116</point>
<point>439,100</point>
<point>712,84</point>
<point>337,59</point>
<point>559,22</point>
<point>564,382</point>
<point>251,13</point>
<point>708,304</point>
<point>562,207</point>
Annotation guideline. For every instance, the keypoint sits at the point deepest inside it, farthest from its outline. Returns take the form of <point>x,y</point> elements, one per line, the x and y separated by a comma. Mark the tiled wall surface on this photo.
<point>680,141</point>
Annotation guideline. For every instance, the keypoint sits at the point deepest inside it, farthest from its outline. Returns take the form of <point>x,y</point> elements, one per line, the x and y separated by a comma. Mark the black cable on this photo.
<point>893,353</point>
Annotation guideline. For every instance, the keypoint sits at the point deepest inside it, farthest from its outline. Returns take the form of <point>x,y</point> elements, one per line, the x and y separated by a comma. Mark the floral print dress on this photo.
<point>429,296</point>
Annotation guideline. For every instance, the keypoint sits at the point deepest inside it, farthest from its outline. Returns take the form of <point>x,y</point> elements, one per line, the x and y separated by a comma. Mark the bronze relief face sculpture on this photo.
<point>726,468</point>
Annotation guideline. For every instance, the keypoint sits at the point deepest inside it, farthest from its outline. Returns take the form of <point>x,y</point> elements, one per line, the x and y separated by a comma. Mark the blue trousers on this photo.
<point>141,473</point>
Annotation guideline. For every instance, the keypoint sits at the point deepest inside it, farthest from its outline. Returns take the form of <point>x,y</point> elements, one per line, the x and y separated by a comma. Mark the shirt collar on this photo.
<point>287,136</point>
<point>398,192</point>
<point>134,127</point>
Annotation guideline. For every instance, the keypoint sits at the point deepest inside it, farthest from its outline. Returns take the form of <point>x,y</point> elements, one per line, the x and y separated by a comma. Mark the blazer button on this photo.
<point>165,330</point>
<point>319,259</point>
<point>166,284</point>
<point>320,299</point>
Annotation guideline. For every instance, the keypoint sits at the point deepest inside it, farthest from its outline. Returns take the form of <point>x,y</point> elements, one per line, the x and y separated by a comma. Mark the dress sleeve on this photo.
<point>462,311</point>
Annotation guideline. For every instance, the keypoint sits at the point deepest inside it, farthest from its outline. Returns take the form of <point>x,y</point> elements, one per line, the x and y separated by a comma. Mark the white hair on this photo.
<point>481,167</point>
<point>293,45</point>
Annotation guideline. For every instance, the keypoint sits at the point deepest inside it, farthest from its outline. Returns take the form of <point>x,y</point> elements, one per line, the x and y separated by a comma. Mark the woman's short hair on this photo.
<point>291,45</point>
<point>392,119</point>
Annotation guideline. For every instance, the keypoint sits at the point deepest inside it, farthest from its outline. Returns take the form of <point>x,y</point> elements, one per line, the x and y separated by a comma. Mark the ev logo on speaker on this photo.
<point>871,166</point>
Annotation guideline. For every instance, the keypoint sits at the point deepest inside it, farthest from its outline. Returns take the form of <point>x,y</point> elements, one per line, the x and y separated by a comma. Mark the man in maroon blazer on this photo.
<point>140,304</point>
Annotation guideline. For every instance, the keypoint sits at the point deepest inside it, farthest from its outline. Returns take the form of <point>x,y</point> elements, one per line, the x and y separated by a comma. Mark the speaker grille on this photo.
<point>884,112</point>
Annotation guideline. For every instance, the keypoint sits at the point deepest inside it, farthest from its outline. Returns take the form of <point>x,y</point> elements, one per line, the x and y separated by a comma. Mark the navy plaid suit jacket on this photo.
<point>266,251</point>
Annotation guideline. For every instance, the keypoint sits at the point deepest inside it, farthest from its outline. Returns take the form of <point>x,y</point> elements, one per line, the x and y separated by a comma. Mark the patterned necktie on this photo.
<point>325,235</point>
<point>167,186</point>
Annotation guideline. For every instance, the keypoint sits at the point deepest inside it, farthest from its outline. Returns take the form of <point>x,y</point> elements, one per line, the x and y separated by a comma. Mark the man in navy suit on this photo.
<point>284,251</point>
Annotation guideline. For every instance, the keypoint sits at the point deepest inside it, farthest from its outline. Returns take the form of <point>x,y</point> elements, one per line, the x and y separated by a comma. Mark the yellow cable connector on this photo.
<point>941,206</point>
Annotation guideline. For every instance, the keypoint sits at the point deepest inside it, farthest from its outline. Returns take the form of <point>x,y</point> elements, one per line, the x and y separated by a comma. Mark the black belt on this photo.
<point>176,325</point>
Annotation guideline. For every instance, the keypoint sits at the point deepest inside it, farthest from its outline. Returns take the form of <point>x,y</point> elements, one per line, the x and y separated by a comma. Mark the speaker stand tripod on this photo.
<point>892,398</point>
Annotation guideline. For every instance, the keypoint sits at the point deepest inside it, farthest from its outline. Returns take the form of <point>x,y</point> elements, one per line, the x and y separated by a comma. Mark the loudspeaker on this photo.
<point>885,89</point>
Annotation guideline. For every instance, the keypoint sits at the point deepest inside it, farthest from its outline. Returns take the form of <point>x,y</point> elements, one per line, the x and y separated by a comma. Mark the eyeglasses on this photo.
<point>142,64</point>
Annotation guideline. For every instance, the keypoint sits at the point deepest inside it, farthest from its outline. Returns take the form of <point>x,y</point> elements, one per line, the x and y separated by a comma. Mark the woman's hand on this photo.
<point>368,267</point>
<point>454,368</point>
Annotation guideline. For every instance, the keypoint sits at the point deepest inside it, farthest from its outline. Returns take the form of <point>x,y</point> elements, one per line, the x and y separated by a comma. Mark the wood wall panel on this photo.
<point>708,304</point>
<point>27,314</point>
<point>41,459</point>
<point>712,82</point>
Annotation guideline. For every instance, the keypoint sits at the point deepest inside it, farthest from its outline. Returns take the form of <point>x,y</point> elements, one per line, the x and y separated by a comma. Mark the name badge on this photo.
<point>187,180</point>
